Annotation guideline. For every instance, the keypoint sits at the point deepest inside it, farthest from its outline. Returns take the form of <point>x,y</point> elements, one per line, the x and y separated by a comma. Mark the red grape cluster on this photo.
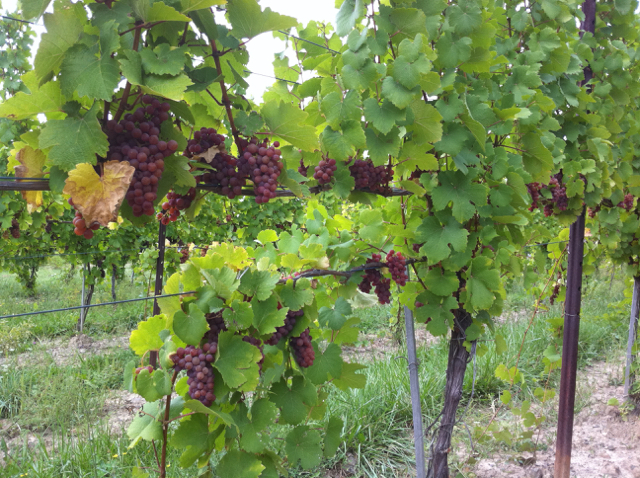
<point>324,171</point>
<point>417,247</point>
<point>376,178</point>
<point>140,369</point>
<point>627,202</point>
<point>558,195</point>
<point>302,169</point>
<point>225,169</point>
<point>15,228</point>
<point>258,344</point>
<point>216,325</point>
<point>80,225</point>
<point>174,204</point>
<point>184,257</point>
<point>398,267</point>
<point>302,349</point>
<point>593,211</point>
<point>284,330</point>
<point>374,277</point>
<point>261,163</point>
<point>197,362</point>
<point>136,139</point>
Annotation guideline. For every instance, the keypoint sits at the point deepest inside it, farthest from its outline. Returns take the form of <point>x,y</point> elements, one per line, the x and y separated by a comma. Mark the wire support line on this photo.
<point>268,76</point>
<point>151,297</point>
<point>544,243</point>
<point>75,253</point>
<point>309,41</point>
<point>20,20</point>
<point>15,178</point>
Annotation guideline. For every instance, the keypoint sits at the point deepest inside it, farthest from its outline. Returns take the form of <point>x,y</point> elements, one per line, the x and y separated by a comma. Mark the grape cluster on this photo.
<point>225,168</point>
<point>216,325</point>
<point>197,362</point>
<point>184,257</point>
<point>593,211</point>
<point>398,267</point>
<point>627,202</point>
<point>15,228</point>
<point>140,369</point>
<point>324,171</point>
<point>417,247</point>
<point>261,163</point>
<point>366,175</point>
<point>80,225</point>
<point>136,138</point>
<point>302,169</point>
<point>258,344</point>
<point>373,277</point>
<point>302,349</point>
<point>174,204</point>
<point>558,199</point>
<point>284,330</point>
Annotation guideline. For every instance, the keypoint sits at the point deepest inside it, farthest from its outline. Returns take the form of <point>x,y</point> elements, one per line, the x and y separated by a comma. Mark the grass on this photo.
<point>62,404</point>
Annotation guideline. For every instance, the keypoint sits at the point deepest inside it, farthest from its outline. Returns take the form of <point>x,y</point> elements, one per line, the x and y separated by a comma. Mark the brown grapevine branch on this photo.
<point>165,429</point>
<point>347,273</point>
<point>225,97</point>
<point>127,88</point>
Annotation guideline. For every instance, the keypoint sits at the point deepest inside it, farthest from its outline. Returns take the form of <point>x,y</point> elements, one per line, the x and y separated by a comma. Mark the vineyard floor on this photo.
<point>63,410</point>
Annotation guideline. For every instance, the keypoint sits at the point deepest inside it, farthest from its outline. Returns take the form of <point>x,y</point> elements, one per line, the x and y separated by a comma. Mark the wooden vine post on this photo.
<point>633,332</point>
<point>571,334</point>
<point>162,234</point>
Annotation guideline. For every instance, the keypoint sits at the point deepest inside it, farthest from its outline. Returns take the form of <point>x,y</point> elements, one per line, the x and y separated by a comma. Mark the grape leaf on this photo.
<point>45,99</point>
<point>440,282</point>
<point>382,116</point>
<point>98,198</point>
<point>538,160</point>
<point>64,27</point>
<point>161,12</point>
<point>296,297</point>
<point>248,20</point>
<point>263,414</point>
<point>344,182</point>
<point>33,9</point>
<point>240,315</point>
<point>342,144</point>
<point>335,317</point>
<point>238,361</point>
<point>267,235</point>
<point>74,140</point>
<point>31,163</point>
<point>267,316</point>
<point>303,445</point>
<point>190,328</point>
<point>193,434</point>
<point>147,336</point>
<point>336,109</point>
<point>288,122</point>
<point>346,18</point>
<point>482,283</point>
<point>191,5</point>
<point>465,196</point>
<point>380,146</point>
<point>326,364</point>
<point>350,378</point>
<point>333,437</point>
<point>239,464</point>
<point>438,237</point>
<point>146,426</point>
<point>397,93</point>
<point>465,16</point>
<point>293,402</point>
<point>258,283</point>
<point>163,60</point>
<point>89,75</point>
<point>426,126</point>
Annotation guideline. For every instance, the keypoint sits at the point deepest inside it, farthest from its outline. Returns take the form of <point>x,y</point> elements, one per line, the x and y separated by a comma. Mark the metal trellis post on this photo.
<point>162,233</point>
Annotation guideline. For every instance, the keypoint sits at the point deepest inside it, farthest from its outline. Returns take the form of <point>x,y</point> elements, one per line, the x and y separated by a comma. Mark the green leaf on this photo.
<point>248,20</point>
<point>350,378</point>
<point>347,16</point>
<point>436,312</point>
<point>342,143</point>
<point>344,182</point>
<point>33,9</point>
<point>477,130</point>
<point>167,86</point>
<point>161,12</point>
<point>146,426</point>
<point>63,27</point>
<point>293,402</point>
<point>303,445</point>
<point>193,434</point>
<point>335,317</point>
<point>397,93</point>
<point>45,99</point>
<point>501,344</point>
<point>381,146</point>
<point>333,437</point>
<point>482,282</point>
<point>296,297</point>
<point>74,140</point>
<point>89,75</point>
<point>267,235</point>
<point>266,315</point>
<point>240,315</point>
<point>427,123</point>
<point>465,16</point>
<point>337,109</point>
<point>258,283</point>
<point>163,60</point>
<point>327,364</point>
<point>382,116</point>
<point>440,282</point>
<point>465,196</point>
<point>190,328</point>
<point>198,406</point>
<point>288,122</point>
<point>438,237</point>
<point>263,414</point>
<point>191,5</point>
<point>237,361</point>
<point>538,160</point>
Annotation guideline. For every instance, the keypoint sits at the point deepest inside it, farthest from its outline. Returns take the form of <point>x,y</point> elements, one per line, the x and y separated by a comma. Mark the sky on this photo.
<point>261,48</point>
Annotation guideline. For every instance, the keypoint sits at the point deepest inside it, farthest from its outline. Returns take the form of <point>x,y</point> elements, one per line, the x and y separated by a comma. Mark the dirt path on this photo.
<point>605,441</point>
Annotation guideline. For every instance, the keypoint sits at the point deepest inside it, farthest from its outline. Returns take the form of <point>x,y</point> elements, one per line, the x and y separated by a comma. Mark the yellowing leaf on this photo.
<point>98,198</point>
<point>31,163</point>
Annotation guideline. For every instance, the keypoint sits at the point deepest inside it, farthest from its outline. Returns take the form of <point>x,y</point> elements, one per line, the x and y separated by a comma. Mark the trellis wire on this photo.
<point>309,41</point>
<point>151,297</point>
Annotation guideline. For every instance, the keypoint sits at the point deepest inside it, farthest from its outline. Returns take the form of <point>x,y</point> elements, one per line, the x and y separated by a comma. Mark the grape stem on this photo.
<point>165,429</point>
<point>127,88</point>
<point>225,97</point>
